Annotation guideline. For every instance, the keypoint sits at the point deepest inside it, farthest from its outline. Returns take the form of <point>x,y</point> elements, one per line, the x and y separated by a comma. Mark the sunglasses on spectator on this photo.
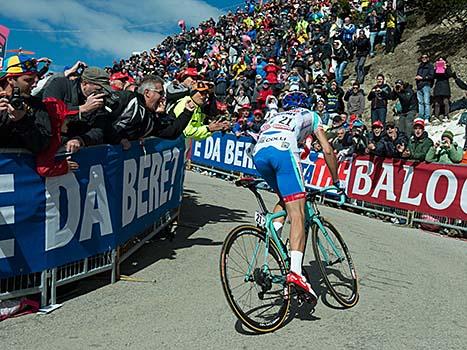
<point>160,92</point>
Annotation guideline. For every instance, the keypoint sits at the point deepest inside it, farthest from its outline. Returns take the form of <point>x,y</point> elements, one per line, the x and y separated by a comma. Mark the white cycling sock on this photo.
<point>278,227</point>
<point>296,258</point>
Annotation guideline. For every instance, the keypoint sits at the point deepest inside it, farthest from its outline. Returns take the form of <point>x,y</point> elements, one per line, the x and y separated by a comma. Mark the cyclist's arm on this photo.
<point>328,152</point>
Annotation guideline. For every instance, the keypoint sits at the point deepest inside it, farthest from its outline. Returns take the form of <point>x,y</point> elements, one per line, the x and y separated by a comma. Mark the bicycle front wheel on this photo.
<point>256,292</point>
<point>335,263</point>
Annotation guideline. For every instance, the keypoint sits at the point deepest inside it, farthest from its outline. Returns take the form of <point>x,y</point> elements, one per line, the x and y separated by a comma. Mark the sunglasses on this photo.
<point>160,92</point>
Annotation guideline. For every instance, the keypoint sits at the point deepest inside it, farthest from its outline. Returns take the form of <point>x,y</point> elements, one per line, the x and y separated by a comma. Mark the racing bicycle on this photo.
<point>255,261</point>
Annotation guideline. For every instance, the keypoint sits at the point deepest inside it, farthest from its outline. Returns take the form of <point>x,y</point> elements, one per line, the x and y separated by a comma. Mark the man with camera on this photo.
<point>409,105</point>
<point>87,95</point>
<point>445,151</point>
<point>24,121</point>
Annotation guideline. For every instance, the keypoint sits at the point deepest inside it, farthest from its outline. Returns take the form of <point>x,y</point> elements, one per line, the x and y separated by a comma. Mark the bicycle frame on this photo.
<point>311,217</point>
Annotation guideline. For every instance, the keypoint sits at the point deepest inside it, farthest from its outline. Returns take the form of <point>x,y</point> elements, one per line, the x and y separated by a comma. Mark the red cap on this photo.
<point>118,76</point>
<point>257,112</point>
<point>377,124</point>
<point>420,122</point>
<point>245,106</point>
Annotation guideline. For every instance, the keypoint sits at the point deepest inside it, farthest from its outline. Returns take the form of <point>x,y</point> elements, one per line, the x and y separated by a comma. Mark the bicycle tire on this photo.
<point>271,322</point>
<point>327,271</point>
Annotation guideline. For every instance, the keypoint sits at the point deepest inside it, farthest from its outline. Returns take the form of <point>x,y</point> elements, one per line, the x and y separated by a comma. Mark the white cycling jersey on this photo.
<point>286,130</point>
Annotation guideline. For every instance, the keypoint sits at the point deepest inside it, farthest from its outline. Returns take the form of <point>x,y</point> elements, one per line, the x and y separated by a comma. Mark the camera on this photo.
<point>16,100</point>
<point>80,68</point>
<point>111,101</point>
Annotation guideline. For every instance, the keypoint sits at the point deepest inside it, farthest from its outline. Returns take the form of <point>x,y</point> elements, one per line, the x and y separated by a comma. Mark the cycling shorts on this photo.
<point>282,171</point>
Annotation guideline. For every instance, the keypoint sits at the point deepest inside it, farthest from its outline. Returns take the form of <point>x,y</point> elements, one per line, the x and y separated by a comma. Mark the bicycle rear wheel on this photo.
<point>257,295</point>
<point>335,263</point>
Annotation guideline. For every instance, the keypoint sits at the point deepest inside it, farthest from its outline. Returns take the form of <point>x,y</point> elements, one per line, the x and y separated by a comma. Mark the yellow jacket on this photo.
<point>196,128</point>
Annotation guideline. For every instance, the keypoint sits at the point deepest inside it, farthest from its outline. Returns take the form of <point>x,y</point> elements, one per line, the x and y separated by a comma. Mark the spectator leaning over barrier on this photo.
<point>196,128</point>
<point>85,95</point>
<point>409,106</point>
<point>419,142</point>
<point>424,79</point>
<point>355,98</point>
<point>445,151</point>
<point>24,121</point>
<point>142,115</point>
<point>378,97</point>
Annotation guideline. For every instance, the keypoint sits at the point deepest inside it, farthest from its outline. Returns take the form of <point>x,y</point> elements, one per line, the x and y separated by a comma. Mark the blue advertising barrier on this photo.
<point>226,152</point>
<point>113,196</point>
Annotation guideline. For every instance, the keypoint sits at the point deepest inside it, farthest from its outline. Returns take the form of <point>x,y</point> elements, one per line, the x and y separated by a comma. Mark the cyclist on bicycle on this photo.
<point>276,157</point>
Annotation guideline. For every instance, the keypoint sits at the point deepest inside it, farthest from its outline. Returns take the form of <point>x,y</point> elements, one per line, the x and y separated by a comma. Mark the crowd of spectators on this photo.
<point>229,75</point>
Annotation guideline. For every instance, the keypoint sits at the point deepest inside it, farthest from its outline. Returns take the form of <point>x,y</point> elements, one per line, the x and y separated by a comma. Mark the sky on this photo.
<point>98,32</point>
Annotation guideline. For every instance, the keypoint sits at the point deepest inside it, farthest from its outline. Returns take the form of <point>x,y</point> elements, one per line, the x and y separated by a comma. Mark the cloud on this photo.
<point>108,26</point>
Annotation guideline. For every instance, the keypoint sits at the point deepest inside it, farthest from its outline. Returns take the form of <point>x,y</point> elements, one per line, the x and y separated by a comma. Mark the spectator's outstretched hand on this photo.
<point>218,126</point>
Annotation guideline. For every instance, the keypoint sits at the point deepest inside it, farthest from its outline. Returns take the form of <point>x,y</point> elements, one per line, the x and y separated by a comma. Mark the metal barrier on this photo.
<point>47,282</point>
<point>22,285</point>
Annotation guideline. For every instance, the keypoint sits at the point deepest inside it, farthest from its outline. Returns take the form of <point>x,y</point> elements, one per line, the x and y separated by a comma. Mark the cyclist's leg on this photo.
<point>290,183</point>
<point>296,214</point>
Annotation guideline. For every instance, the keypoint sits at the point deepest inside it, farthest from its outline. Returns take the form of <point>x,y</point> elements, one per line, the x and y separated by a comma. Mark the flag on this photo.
<point>4,31</point>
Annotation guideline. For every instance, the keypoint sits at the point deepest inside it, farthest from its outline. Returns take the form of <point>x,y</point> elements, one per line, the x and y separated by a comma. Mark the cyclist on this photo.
<point>276,157</point>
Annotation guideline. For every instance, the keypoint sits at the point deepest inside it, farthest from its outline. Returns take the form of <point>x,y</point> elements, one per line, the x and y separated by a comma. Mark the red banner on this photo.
<point>4,31</point>
<point>316,173</point>
<point>436,189</point>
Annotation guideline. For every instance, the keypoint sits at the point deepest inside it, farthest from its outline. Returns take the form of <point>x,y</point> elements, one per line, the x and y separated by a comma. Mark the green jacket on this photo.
<point>453,155</point>
<point>419,147</point>
<point>196,128</point>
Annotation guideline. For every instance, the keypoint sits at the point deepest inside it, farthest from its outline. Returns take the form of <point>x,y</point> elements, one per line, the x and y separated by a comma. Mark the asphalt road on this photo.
<point>413,291</point>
